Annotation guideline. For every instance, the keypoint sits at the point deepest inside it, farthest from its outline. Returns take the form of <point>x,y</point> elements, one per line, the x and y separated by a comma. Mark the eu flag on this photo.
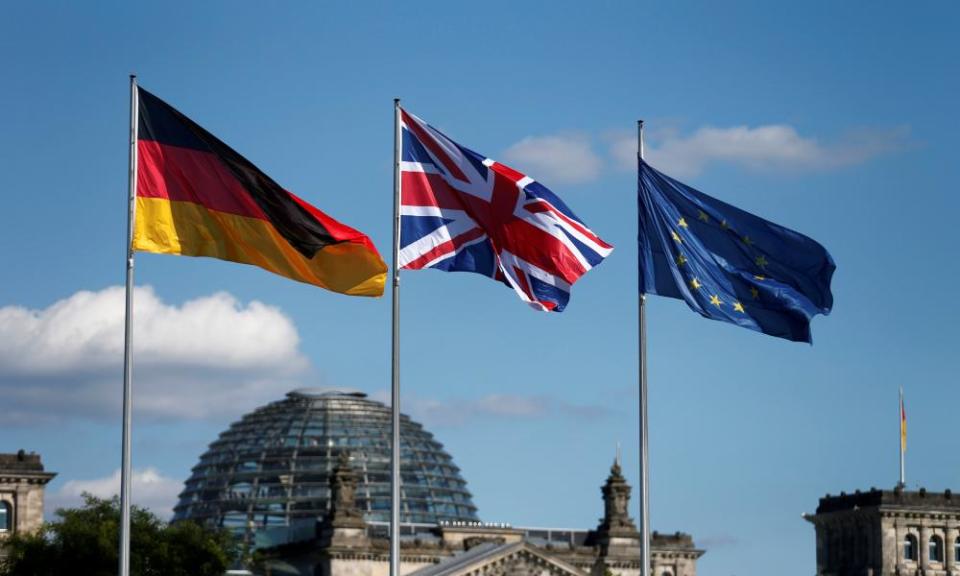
<point>728,264</point>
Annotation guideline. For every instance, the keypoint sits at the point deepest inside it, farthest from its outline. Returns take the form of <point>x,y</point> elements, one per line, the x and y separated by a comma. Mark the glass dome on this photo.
<point>267,476</point>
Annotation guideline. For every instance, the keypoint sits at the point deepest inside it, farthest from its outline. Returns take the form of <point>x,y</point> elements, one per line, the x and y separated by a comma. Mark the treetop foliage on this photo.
<point>85,540</point>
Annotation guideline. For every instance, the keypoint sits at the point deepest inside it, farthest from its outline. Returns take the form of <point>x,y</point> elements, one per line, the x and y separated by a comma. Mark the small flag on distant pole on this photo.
<point>903,440</point>
<point>903,424</point>
<point>728,264</point>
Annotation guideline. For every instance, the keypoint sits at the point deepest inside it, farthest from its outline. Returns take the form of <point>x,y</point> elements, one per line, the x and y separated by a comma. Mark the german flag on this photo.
<point>196,196</point>
<point>903,424</point>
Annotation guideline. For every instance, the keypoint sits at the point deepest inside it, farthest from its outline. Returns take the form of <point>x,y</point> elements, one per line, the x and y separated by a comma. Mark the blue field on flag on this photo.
<point>728,264</point>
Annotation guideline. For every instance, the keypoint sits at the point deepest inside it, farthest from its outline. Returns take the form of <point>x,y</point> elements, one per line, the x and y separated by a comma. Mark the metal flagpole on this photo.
<point>900,418</point>
<point>128,337</point>
<point>395,344</point>
<point>644,446</point>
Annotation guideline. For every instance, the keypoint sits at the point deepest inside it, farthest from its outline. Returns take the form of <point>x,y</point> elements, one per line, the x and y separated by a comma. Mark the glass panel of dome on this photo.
<point>275,520</point>
<point>234,520</point>
<point>415,492</point>
<point>356,424</point>
<point>317,478</point>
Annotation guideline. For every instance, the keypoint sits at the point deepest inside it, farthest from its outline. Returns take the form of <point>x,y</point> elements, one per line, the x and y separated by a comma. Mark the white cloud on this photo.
<point>460,412</point>
<point>151,490</point>
<point>556,159</point>
<point>766,147</point>
<point>209,356</point>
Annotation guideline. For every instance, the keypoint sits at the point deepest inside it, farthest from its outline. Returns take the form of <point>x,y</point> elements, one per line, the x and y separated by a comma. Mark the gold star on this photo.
<point>738,306</point>
<point>703,216</point>
<point>761,261</point>
<point>682,223</point>
<point>760,277</point>
<point>724,225</point>
<point>716,301</point>
<point>681,260</point>
<point>754,292</point>
<point>676,237</point>
<point>695,284</point>
<point>747,241</point>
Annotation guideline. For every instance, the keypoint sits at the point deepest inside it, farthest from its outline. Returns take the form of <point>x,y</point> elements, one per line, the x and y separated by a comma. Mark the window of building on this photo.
<point>6,518</point>
<point>956,550</point>
<point>910,547</point>
<point>936,549</point>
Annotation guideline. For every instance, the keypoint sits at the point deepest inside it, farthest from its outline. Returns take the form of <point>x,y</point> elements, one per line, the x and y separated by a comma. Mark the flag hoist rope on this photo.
<point>128,338</point>
<point>644,445</point>
<point>395,367</point>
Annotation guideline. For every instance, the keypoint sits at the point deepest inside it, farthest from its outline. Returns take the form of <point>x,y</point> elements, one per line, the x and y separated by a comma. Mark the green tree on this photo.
<point>85,541</point>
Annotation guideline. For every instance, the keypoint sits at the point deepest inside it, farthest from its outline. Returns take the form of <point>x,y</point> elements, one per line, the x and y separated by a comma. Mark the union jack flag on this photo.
<point>463,212</point>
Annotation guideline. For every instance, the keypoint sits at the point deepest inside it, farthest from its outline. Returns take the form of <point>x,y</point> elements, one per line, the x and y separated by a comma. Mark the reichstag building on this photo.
<point>306,481</point>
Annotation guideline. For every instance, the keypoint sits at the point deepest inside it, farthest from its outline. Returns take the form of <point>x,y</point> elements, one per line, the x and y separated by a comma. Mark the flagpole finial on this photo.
<point>640,139</point>
<point>396,100</point>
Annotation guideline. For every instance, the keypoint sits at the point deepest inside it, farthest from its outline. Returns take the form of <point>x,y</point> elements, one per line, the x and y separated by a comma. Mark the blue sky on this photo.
<point>835,120</point>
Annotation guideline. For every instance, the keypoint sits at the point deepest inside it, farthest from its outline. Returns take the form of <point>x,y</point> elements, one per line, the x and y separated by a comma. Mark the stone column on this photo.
<point>20,513</point>
<point>895,551</point>
<point>924,546</point>
<point>948,548</point>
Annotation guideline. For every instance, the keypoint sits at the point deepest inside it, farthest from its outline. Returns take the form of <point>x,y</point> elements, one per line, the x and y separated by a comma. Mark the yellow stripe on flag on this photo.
<point>174,227</point>
<point>903,427</point>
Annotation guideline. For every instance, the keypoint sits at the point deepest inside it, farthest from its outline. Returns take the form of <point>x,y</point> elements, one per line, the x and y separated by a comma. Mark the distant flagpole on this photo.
<point>644,445</point>
<point>128,337</point>
<point>395,366</point>
<point>902,413</point>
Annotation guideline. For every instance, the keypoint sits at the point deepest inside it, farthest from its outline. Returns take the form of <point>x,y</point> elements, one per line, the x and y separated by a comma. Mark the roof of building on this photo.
<point>24,467</point>
<point>888,498</point>
<point>21,462</point>
<point>269,473</point>
<point>478,556</point>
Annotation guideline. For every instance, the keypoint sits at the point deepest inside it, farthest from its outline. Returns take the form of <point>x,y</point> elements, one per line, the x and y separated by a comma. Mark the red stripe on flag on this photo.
<point>427,140</point>
<point>338,231</point>
<point>541,249</point>
<point>544,206</point>
<point>188,175</point>
<point>507,172</point>
<point>423,189</point>
<point>447,247</point>
<point>521,279</point>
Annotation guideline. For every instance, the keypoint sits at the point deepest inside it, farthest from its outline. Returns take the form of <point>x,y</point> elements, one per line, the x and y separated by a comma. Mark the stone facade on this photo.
<point>347,546</point>
<point>888,533</point>
<point>22,482</point>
